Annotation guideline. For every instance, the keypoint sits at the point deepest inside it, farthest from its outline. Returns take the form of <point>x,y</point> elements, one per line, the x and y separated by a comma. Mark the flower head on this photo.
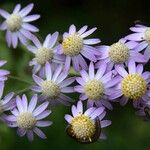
<point>74,47</point>
<point>3,73</point>
<point>6,103</point>
<point>17,24</point>
<point>86,127</point>
<point>46,52</point>
<point>55,84</point>
<point>96,87</point>
<point>133,85</point>
<point>27,118</point>
<point>120,53</point>
<point>142,35</point>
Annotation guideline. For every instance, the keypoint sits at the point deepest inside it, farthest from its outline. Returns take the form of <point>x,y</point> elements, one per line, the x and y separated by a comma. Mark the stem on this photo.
<point>19,79</point>
<point>23,90</point>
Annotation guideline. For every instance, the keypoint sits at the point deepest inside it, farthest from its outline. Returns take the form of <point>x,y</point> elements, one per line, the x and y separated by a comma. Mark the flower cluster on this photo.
<point>102,76</point>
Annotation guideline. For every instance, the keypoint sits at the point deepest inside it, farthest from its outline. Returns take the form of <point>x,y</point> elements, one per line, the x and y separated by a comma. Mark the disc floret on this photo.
<point>72,45</point>
<point>50,89</point>
<point>94,89</point>
<point>14,22</point>
<point>43,55</point>
<point>147,35</point>
<point>26,120</point>
<point>82,127</point>
<point>119,53</point>
<point>134,86</point>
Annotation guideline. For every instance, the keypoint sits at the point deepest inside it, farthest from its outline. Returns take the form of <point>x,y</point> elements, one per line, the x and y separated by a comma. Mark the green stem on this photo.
<point>19,79</point>
<point>23,90</point>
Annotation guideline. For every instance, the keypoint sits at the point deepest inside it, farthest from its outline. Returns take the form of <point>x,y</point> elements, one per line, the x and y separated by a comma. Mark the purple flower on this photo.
<point>45,52</point>
<point>74,47</point>
<point>55,84</point>
<point>133,85</point>
<point>27,118</point>
<point>96,87</point>
<point>6,103</point>
<point>120,53</point>
<point>3,73</point>
<point>141,35</point>
<point>17,24</point>
<point>86,126</point>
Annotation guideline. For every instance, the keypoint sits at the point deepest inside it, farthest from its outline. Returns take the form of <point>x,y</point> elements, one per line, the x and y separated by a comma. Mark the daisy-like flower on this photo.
<point>120,53</point>
<point>27,118</point>
<point>133,85</point>
<point>54,86</point>
<point>6,103</point>
<point>96,87</point>
<point>3,73</point>
<point>46,52</point>
<point>17,24</point>
<point>141,35</point>
<point>75,46</point>
<point>86,127</point>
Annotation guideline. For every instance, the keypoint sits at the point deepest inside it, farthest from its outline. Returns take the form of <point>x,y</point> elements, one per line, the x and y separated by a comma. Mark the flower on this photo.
<point>17,24</point>
<point>55,84</point>
<point>45,52</point>
<point>133,85</point>
<point>74,47</point>
<point>96,87</point>
<point>6,103</point>
<point>141,35</point>
<point>27,118</point>
<point>86,126</point>
<point>3,73</point>
<point>120,53</point>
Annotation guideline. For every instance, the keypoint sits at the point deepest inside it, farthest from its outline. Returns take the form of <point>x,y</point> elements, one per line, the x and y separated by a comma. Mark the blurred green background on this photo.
<point>113,19</point>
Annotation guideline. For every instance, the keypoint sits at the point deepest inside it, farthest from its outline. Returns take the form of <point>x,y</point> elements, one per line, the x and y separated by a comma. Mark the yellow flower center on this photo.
<point>134,86</point>
<point>50,89</point>
<point>82,127</point>
<point>72,45</point>
<point>43,55</point>
<point>94,89</point>
<point>147,35</point>
<point>26,120</point>
<point>14,22</point>
<point>118,53</point>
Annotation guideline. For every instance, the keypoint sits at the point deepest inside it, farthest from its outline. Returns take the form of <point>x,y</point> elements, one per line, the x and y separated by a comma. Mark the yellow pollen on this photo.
<point>72,45</point>
<point>147,35</point>
<point>133,86</point>
<point>14,22</point>
<point>43,55</point>
<point>26,120</point>
<point>82,127</point>
<point>50,89</point>
<point>118,53</point>
<point>94,89</point>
